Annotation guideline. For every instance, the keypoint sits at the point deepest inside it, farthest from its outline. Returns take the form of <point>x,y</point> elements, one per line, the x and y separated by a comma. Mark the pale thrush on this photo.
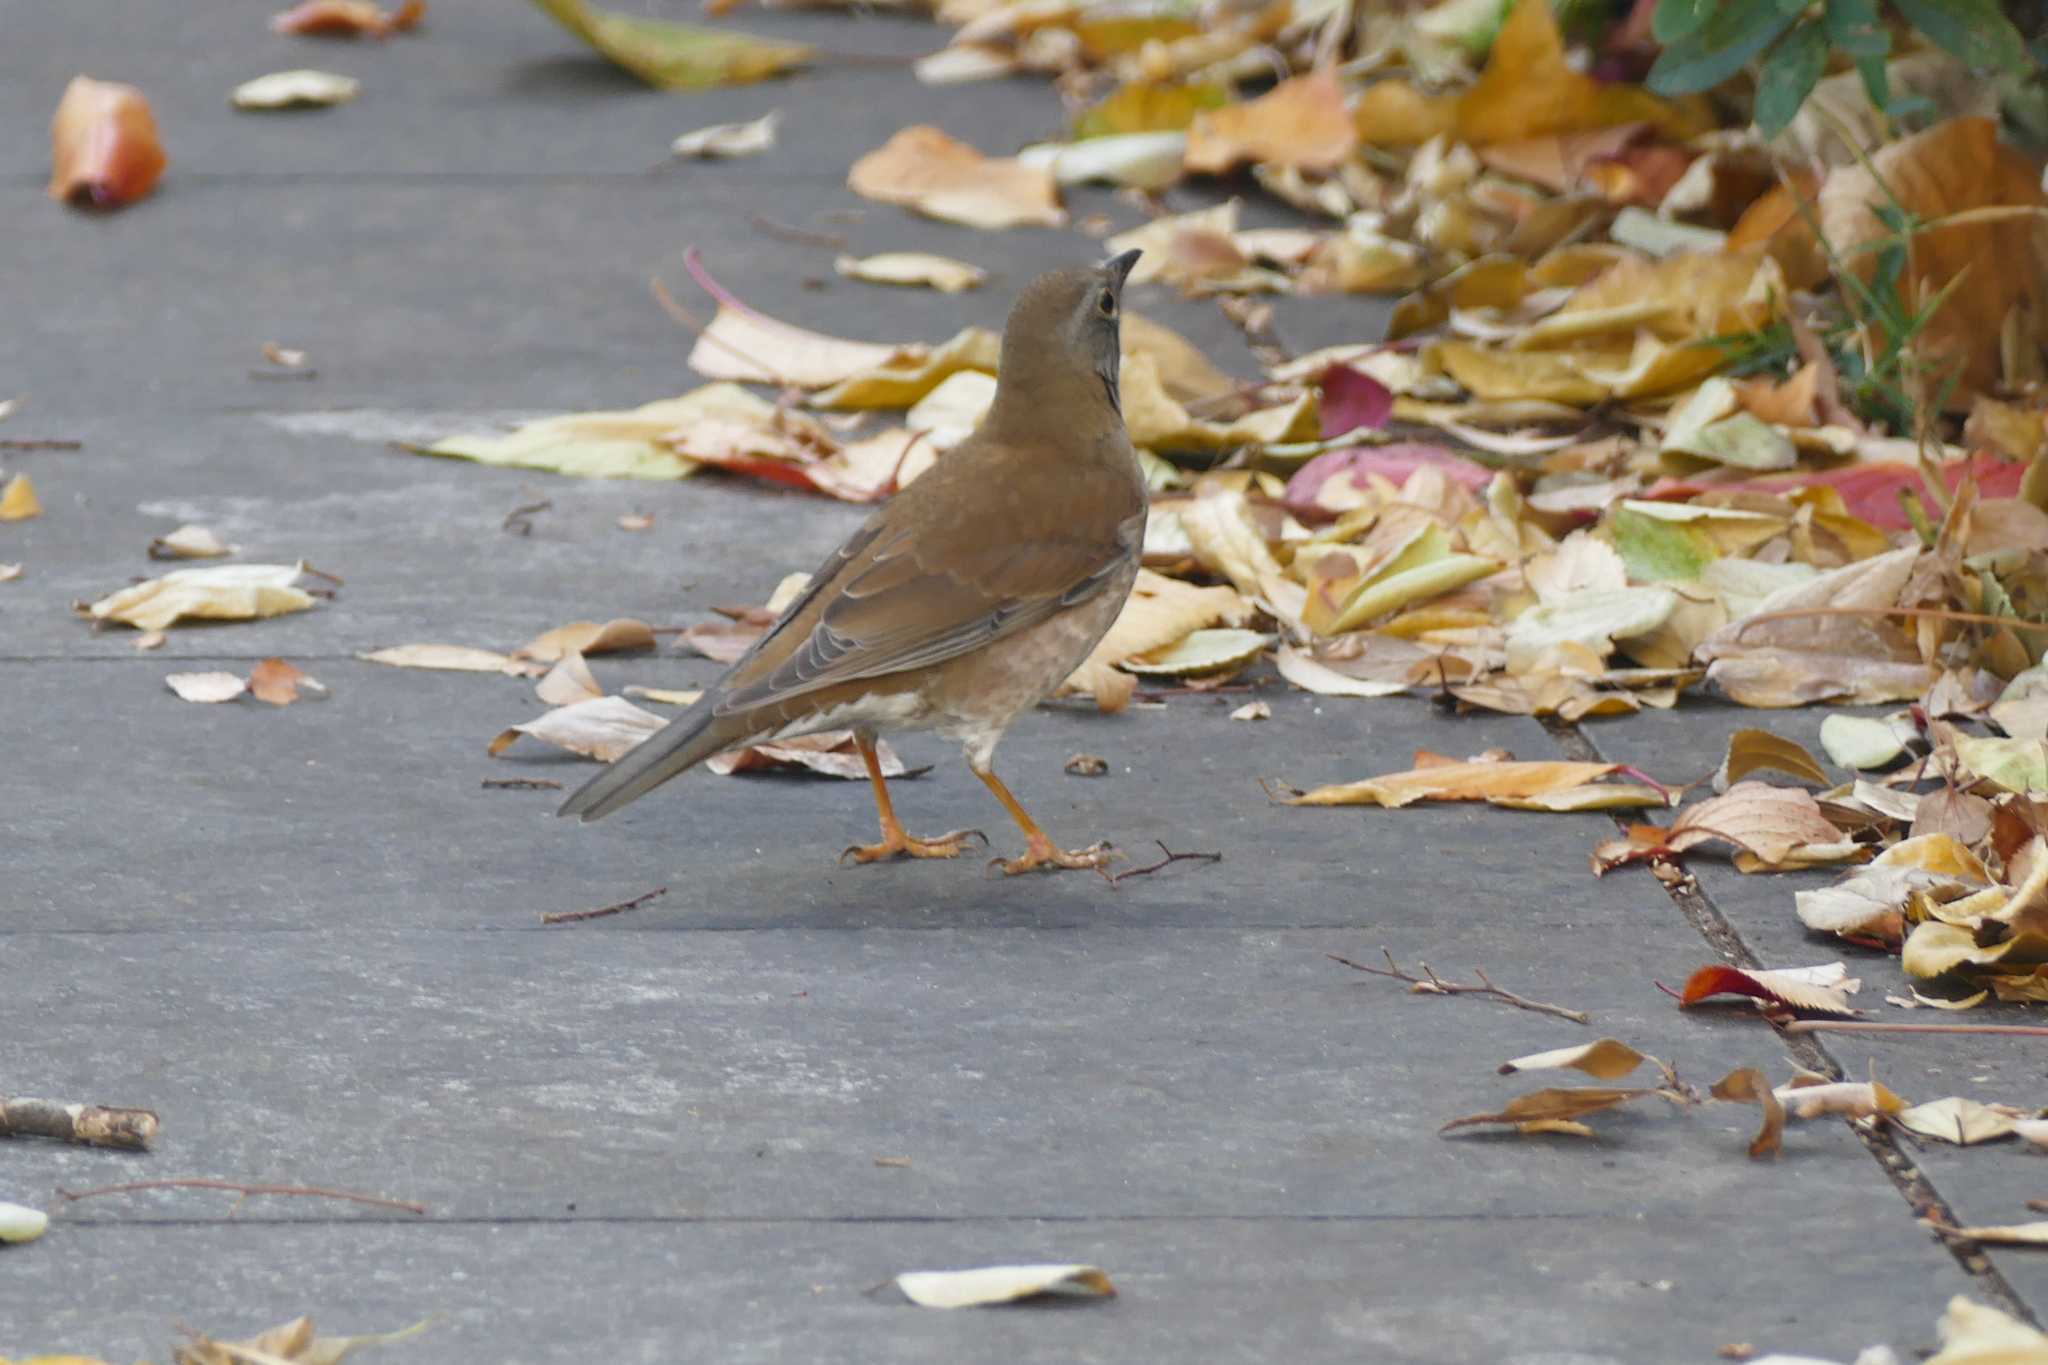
<point>967,597</point>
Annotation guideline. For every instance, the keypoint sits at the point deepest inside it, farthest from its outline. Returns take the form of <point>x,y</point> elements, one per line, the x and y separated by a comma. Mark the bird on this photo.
<point>962,601</point>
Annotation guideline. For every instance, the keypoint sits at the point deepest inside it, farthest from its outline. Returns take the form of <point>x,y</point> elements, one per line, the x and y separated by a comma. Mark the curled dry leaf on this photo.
<point>921,168</point>
<point>1609,1059</point>
<point>1253,710</point>
<point>723,141</point>
<point>1748,1086</point>
<point>568,682</point>
<point>280,683</point>
<point>1201,653</point>
<point>1870,902</point>
<point>1310,674</point>
<point>20,1224</point>
<point>451,658</point>
<point>347,19</point>
<point>18,501</point>
<point>829,753</point>
<point>1771,829</point>
<point>1553,1107</point>
<point>299,89</point>
<point>227,592</point>
<point>206,687</point>
<point>1495,781</point>
<point>1960,1120</point>
<point>1838,1099</point>
<point>190,542</point>
<point>103,145</point>
<point>1002,1284</point>
<point>587,637</point>
<point>603,728</point>
<point>1815,990</point>
<point>666,696</point>
<point>919,268</point>
<point>677,56</point>
<point>1754,750</point>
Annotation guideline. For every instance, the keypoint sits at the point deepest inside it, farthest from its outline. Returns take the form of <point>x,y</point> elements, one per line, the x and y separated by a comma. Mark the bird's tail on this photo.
<point>682,744</point>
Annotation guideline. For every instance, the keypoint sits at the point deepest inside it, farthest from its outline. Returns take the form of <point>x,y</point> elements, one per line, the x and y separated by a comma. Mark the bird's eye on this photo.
<point>1106,304</point>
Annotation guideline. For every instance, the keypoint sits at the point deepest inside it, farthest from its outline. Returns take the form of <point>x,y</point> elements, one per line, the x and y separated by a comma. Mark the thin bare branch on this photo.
<point>1429,983</point>
<point>195,1182</point>
<point>576,916</point>
<point>1171,857</point>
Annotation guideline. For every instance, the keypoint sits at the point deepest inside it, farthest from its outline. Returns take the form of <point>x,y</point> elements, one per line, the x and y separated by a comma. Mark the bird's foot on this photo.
<point>898,844</point>
<point>1040,855</point>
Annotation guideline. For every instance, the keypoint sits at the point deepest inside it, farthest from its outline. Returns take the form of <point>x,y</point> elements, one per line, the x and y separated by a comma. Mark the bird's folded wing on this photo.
<point>888,605</point>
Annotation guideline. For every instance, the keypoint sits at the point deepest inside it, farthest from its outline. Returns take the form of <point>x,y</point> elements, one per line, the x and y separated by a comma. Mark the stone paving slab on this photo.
<point>1589,1291</point>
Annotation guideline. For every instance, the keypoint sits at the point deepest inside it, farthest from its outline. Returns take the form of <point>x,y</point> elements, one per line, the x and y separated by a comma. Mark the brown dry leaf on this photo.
<point>1529,89</point>
<point>1492,781</point>
<point>568,682</point>
<point>603,728</point>
<point>1748,1086</point>
<point>1183,370</point>
<point>1753,750</point>
<point>747,347</point>
<point>226,592</point>
<point>1865,659</point>
<point>1951,169</point>
<point>1820,990</point>
<point>923,169</point>
<point>1788,402</point>
<point>829,753</point>
<point>1960,1120</point>
<point>1157,422</point>
<point>998,1284</point>
<point>1609,1059</point>
<point>1300,123</point>
<point>1870,902</point>
<point>1552,1107</point>
<point>280,683</point>
<point>187,542</point>
<point>293,1343</point>
<point>1160,611</point>
<point>18,501</point>
<point>1772,828</point>
<point>451,658</point>
<point>104,150</point>
<point>347,19</point>
<point>206,687</point>
<point>587,637</point>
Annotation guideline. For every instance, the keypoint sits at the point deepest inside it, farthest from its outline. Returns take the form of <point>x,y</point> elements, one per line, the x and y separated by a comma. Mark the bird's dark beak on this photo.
<point>1120,266</point>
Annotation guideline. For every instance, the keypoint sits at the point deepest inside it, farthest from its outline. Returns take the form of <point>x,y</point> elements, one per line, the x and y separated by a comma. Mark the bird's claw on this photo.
<point>1041,856</point>
<point>898,844</point>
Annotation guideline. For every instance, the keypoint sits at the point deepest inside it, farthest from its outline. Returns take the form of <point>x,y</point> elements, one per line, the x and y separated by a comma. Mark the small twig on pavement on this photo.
<point>537,784</point>
<point>1171,857</point>
<point>573,916</point>
<point>804,236</point>
<point>94,1125</point>
<point>196,1182</point>
<point>1429,983</point>
<point>519,521</point>
<point>40,443</point>
<point>1862,1026</point>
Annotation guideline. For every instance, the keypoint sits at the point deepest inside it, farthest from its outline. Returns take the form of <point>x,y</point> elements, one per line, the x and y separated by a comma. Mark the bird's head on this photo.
<point>1063,338</point>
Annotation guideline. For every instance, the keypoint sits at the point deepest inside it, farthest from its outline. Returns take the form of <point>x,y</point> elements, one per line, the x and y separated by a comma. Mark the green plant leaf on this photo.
<point>1674,19</point>
<point>1856,29</point>
<point>1788,77</point>
<point>677,56</point>
<point>1721,47</point>
<point>1975,31</point>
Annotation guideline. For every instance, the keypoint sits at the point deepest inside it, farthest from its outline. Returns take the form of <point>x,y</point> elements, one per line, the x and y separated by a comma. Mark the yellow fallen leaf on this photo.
<point>104,149</point>
<point>921,268</point>
<point>1157,422</point>
<point>599,445</point>
<point>922,168</point>
<point>1960,1120</point>
<point>1977,1334</point>
<point>227,592</point>
<point>901,379</point>
<point>1301,123</point>
<point>452,658</point>
<point>1160,611</point>
<point>1554,1106</point>
<point>677,56</point>
<point>18,500</point>
<point>587,637</point>
<point>568,682</point>
<point>1609,1059</point>
<point>1467,781</point>
<point>190,542</point>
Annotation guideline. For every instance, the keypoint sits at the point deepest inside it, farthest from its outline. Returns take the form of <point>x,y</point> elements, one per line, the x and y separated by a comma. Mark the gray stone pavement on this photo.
<point>312,942</point>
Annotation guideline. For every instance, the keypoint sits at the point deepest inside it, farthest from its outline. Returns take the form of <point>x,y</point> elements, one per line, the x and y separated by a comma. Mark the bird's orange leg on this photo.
<point>1040,851</point>
<point>896,843</point>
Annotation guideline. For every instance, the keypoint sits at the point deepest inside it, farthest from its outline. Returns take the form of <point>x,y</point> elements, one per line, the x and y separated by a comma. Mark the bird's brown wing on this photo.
<point>919,585</point>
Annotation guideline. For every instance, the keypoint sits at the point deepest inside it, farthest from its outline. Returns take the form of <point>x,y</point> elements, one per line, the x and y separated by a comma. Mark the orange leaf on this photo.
<point>1300,123</point>
<point>1470,781</point>
<point>103,145</point>
<point>1528,89</point>
<point>922,168</point>
<point>278,682</point>
<point>347,19</point>
<point>1791,989</point>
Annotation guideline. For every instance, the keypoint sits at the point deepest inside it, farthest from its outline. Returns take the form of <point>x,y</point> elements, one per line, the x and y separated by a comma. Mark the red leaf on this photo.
<point>1353,401</point>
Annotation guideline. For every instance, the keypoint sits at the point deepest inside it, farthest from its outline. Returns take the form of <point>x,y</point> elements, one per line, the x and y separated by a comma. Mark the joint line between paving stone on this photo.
<point>1925,1201</point>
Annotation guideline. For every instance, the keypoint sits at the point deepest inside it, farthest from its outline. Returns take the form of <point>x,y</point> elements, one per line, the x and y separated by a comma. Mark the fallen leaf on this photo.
<point>587,637</point>
<point>1160,611</point>
<point>9,572</point>
<point>1870,902</point>
<point>1748,1086</point>
<point>1201,653</point>
<point>1862,742</point>
<point>1143,161</point>
<point>1754,750</point>
<point>753,348</point>
<point>666,696</point>
<point>942,273</point>
<point>1802,659</point>
<point>226,592</point>
<point>103,145</point>
<point>1838,1099</point>
<point>300,89</point>
<point>1253,710</point>
<point>1086,765</point>
<point>1313,675</point>
<point>1489,780</point>
<point>913,372</point>
<point>1609,1059</point>
<point>2018,765</point>
<point>1002,1284</point>
<point>452,658</point>
<point>19,1224</point>
<point>1300,123</point>
<point>723,141</point>
<point>206,687</point>
<point>2011,1234</point>
<point>636,521</point>
<point>291,1343</point>
<point>922,168</point>
<point>190,542</point>
<point>1960,1120</point>
<point>1977,1334</point>
<point>1156,421</point>
<point>677,56</point>
<point>829,753</point>
<point>347,19</point>
<point>1818,990</point>
<point>568,682</point>
<point>279,683</point>
<point>603,728</point>
<point>18,501</point>
<point>1553,1106</point>
<point>630,444</point>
